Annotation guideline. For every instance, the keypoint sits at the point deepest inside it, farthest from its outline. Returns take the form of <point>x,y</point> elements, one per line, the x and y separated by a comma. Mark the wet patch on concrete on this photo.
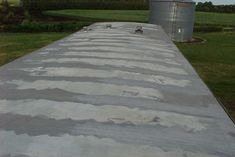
<point>232,134</point>
<point>119,63</point>
<point>90,88</point>
<point>71,146</point>
<point>106,113</point>
<point>119,56</point>
<point>19,155</point>
<point>82,72</point>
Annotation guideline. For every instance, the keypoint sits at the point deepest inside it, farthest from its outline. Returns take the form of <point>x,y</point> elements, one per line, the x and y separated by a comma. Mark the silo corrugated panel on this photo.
<point>176,17</point>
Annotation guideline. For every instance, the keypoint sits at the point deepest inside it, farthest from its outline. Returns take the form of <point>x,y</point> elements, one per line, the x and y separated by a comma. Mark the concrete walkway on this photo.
<point>110,92</point>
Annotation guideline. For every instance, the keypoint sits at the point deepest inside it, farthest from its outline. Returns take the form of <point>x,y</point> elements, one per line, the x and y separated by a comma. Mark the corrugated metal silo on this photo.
<point>175,16</point>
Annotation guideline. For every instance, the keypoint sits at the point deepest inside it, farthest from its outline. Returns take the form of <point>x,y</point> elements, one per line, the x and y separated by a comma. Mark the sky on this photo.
<point>218,2</point>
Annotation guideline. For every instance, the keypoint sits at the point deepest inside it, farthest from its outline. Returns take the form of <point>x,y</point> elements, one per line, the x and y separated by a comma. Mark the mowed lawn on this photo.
<point>215,18</point>
<point>15,45</point>
<point>215,63</point>
<point>138,15</point>
<point>102,15</point>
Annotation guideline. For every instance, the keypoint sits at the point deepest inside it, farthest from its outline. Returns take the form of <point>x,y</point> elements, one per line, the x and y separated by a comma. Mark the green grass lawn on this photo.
<point>138,15</point>
<point>215,18</point>
<point>15,45</point>
<point>215,63</point>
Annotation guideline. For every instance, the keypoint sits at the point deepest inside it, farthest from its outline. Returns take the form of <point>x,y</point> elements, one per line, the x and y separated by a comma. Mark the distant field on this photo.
<point>215,18</point>
<point>138,15</point>
<point>102,15</point>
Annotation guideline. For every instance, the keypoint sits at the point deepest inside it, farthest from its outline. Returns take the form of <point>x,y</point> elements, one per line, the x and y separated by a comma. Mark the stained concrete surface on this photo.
<point>110,92</point>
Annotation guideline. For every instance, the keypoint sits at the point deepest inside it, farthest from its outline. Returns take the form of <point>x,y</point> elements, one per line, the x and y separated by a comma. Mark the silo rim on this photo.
<point>182,1</point>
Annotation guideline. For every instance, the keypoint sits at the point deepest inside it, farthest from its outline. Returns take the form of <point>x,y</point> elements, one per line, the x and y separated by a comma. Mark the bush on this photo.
<point>208,28</point>
<point>27,26</point>
<point>39,5</point>
<point>4,7</point>
<point>9,14</point>
<point>4,10</point>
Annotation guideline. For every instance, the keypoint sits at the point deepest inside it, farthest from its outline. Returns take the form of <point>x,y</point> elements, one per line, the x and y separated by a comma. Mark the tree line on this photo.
<point>85,4</point>
<point>210,7</point>
<point>112,4</point>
